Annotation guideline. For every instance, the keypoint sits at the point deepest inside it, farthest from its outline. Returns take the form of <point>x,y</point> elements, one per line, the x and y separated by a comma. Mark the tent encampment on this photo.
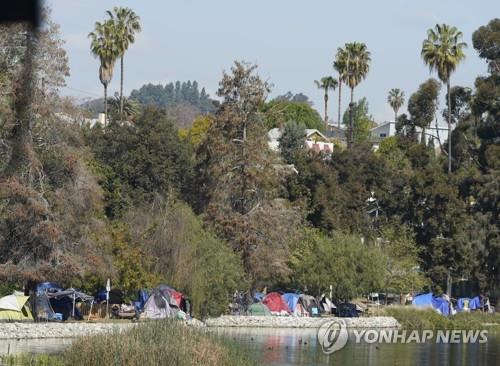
<point>258,309</point>
<point>15,308</point>
<point>276,304</point>
<point>310,304</point>
<point>52,299</point>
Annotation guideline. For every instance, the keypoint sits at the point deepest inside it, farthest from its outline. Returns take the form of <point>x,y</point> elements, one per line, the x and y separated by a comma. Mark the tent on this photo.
<point>15,308</point>
<point>164,302</point>
<point>258,309</point>
<point>347,310</point>
<point>310,304</point>
<point>466,304</point>
<point>276,304</point>
<point>430,301</point>
<point>291,300</point>
<point>52,299</point>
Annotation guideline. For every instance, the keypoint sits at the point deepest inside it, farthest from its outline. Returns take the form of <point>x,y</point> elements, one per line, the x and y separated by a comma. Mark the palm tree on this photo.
<point>340,65</point>
<point>102,46</point>
<point>126,24</point>
<point>396,99</point>
<point>357,67</point>
<point>326,83</point>
<point>442,51</point>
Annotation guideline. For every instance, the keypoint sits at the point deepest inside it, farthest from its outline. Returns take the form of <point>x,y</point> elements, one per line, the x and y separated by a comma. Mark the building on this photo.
<point>433,134</point>
<point>315,140</point>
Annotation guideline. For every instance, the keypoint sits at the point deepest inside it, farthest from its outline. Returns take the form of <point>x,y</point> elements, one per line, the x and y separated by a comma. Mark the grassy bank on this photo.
<point>152,343</point>
<point>411,318</point>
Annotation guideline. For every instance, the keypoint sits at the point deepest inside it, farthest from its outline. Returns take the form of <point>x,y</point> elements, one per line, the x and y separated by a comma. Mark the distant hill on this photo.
<point>173,94</point>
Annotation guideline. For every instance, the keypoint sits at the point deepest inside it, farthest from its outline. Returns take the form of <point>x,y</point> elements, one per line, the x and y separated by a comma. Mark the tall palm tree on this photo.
<point>357,67</point>
<point>126,24</point>
<point>326,83</point>
<point>442,51</point>
<point>396,99</point>
<point>340,65</point>
<point>104,48</point>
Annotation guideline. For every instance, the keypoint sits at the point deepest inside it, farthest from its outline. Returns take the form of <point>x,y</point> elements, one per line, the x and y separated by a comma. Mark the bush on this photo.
<point>166,342</point>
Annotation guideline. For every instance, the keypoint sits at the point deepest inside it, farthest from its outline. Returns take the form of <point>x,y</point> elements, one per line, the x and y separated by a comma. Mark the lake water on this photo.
<point>278,347</point>
<point>300,347</point>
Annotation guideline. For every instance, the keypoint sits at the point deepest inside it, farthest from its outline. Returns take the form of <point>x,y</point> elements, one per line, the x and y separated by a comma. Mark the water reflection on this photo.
<point>34,346</point>
<point>299,347</point>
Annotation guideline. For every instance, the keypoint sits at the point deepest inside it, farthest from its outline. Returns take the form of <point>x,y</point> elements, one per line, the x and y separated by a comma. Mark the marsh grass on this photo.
<point>412,318</point>
<point>153,343</point>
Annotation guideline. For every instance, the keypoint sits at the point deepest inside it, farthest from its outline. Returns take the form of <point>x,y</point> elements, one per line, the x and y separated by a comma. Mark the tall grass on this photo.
<point>153,343</point>
<point>412,318</point>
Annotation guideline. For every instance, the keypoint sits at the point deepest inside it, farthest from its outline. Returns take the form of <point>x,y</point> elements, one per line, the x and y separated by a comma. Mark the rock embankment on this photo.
<point>57,330</point>
<point>294,322</point>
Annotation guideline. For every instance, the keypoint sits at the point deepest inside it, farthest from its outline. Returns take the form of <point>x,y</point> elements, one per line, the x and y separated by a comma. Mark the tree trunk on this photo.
<point>449,124</point>
<point>395,116</point>
<point>21,133</point>
<point>121,87</point>
<point>351,106</point>
<point>326,112</point>
<point>340,102</point>
<point>105,104</point>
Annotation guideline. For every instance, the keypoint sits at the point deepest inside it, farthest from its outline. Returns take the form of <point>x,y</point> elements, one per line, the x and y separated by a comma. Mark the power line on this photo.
<point>81,91</point>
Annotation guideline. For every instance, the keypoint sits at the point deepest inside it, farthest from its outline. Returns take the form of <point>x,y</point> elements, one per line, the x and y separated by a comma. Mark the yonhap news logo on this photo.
<point>333,336</point>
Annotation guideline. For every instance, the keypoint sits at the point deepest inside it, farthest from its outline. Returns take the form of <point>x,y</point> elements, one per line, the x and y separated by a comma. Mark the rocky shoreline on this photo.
<point>71,330</point>
<point>27,330</point>
<point>294,322</point>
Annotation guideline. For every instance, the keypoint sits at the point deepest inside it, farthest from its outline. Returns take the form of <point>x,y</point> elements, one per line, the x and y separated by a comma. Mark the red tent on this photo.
<point>275,303</point>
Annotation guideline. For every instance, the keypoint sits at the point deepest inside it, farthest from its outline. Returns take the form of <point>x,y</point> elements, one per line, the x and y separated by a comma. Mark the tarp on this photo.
<point>258,309</point>
<point>276,304</point>
<point>52,298</point>
<point>258,296</point>
<point>291,300</point>
<point>466,304</point>
<point>347,310</point>
<point>15,308</point>
<point>423,300</point>
<point>428,300</point>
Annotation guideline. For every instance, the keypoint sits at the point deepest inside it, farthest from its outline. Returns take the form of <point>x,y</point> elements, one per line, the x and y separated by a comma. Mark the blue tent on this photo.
<point>430,301</point>
<point>142,297</point>
<point>291,300</point>
<point>423,300</point>
<point>441,305</point>
<point>471,304</point>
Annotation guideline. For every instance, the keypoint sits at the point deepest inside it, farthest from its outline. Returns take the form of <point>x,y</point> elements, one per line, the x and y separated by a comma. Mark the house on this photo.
<point>315,140</point>
<point>433,133</point>
<point>335,132</point>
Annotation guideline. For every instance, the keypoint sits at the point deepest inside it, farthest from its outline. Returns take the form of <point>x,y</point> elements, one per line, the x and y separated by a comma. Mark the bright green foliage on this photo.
<point>403,260</point>
<point>278,113</point>
<point>343,261</point>
<point>197,132</point>
<point>362,122</point>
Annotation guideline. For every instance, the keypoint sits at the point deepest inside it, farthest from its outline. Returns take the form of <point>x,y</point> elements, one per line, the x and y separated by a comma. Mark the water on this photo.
<point>34,346</point>
<point>300,347</point>
<point>278,347</point>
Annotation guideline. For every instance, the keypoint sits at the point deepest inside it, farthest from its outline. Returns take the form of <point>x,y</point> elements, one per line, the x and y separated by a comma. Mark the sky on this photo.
<point>292,41</point>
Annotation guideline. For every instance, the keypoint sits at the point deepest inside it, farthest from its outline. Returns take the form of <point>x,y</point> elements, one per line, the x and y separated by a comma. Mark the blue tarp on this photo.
<point>441,305</point>
<point>258,296</point>
<point>472,304</point>
<point>430,301</point>
<point>291,300</point>
<point>142,297</point>
<point>423,300</point>
<point>43,287</point>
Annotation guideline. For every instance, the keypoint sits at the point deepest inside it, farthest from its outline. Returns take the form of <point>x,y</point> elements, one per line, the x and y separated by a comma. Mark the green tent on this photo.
<point>258,309</point>
<point>15,308</point>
